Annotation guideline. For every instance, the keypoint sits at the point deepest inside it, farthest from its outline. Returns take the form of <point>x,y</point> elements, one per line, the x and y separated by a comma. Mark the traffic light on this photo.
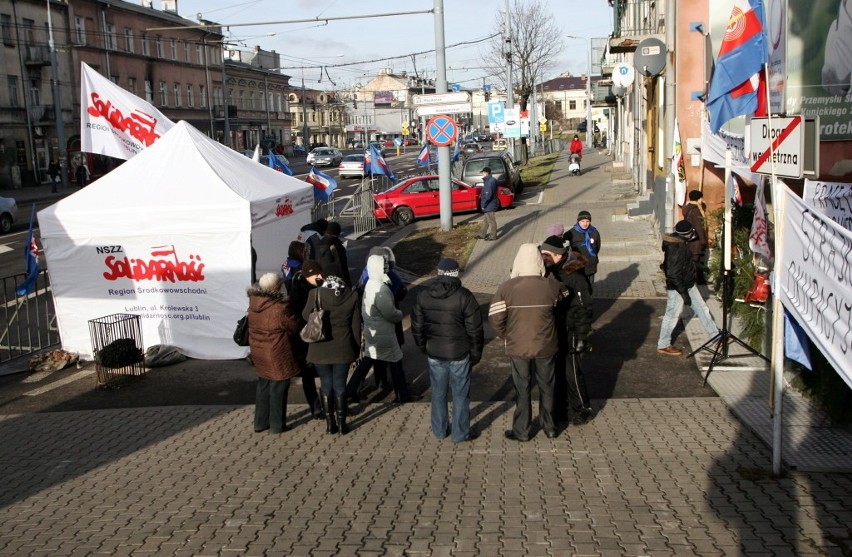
<point>487,96</point>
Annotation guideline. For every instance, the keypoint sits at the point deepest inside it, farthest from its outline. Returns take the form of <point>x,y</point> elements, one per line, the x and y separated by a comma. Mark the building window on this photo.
<point>35,92</point>
<point>178,96</point>
<point>29,34</point>
<point>146,47</point>
<point>174,49</point>
<point>187,55</point>
<point>159,46</point>
<point>190,98</point>
<point>6,29</point>
<point>572,105</point>
<point>12,83</point>
<point>114,79</point>
<point>110,41</point>
<point>251,100</point>
<point>202,94</point>
<point>128,39</point>
<point>217,96</point>
<point>198,54</point>
<point>80,29</point>
<point>164,94</point>
<point>149,91</point>
<point>242,99</point>
<point>131,84</point>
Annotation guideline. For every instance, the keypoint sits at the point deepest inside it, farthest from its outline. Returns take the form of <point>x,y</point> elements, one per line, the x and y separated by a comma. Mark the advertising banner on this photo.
<point>816,280</point>
<point>833,199</point>
<point>115,122</point>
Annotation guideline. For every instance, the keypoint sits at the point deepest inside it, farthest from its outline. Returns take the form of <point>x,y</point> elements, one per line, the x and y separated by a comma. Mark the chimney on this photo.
<point>170,6</point>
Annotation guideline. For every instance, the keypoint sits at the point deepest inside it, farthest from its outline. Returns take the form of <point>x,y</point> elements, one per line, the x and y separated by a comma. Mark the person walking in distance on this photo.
<point>693,211</point>
<point>576,147</point>
<point>573,325</point>
<point>587,240</point>
<point>82,174</point>
<point>679,268</point>
<point>490,203</point>
<point>447,326</point>
<point>272,326</point>
<point>522,314</point>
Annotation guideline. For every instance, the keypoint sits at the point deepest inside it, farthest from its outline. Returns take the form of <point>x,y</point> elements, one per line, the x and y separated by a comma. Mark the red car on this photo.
<point>418,197</point>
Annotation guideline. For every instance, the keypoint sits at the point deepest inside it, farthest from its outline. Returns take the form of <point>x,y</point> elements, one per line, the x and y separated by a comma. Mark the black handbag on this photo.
<point>314,329</point>
<point>241,333</point>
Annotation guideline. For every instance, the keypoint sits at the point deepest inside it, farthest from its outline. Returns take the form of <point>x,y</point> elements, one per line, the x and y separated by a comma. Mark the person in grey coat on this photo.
<point>380,316</point>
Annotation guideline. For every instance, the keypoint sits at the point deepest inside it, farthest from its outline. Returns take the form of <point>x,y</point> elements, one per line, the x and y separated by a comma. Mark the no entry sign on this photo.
<point>782,141</point>
<point>441,130</point>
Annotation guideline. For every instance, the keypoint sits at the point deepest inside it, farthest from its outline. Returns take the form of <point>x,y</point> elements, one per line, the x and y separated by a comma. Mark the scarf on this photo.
<point>333,283</point>
<point>587,240</point>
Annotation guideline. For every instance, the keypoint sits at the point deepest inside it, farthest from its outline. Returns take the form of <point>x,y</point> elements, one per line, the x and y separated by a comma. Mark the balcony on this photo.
<point>636,20</point>
<point>38,55</point>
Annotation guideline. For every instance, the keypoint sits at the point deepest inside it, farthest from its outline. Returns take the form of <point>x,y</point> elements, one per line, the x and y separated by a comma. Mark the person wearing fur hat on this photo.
<point>679,268</point>
<point>586,238</point>
<point>333,356</point>
<point>522,314</point>
<point>447,326</point>
<point>272,326</point>
<point>573,325</point>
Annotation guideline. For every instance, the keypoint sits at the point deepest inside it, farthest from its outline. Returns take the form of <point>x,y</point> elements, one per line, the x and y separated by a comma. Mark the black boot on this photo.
<point>340,411</point>
<point>328,407</point>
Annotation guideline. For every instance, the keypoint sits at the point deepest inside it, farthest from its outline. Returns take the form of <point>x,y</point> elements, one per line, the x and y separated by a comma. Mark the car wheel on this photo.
<point>403,216</point>
<point>5,224</point>
<point>520,187</point>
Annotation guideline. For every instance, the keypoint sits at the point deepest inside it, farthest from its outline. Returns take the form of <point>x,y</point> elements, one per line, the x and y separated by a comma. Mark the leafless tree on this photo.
<point>536,41</point>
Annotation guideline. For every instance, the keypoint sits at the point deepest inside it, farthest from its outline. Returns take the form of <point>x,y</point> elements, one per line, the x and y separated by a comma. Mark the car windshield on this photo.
<point>475,166</point>
<point>323,152</point>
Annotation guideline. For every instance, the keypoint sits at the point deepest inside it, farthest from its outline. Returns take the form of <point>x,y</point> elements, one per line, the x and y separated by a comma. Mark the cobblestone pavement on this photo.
<point>649,476</point>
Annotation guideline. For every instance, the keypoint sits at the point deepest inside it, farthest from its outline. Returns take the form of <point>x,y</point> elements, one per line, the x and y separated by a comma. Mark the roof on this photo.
<point>567,83</point>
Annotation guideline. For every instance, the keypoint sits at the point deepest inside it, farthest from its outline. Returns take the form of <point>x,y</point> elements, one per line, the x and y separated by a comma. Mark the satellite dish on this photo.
<point>622,75</point>
<point>650,57</point>
<point>618,90</point>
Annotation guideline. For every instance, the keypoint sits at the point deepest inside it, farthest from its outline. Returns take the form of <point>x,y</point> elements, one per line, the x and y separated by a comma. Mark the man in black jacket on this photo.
<point>573,325</point>
<point>447,325</point>
<point>679,267</point>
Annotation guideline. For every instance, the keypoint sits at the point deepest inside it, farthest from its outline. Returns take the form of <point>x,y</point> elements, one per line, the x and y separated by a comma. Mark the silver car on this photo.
<point>8,214</point>
<point>352,165</point>
<point>325,156</point>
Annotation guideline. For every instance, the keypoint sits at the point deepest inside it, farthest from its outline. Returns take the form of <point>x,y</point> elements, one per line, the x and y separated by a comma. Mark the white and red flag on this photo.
<point>115,122</point>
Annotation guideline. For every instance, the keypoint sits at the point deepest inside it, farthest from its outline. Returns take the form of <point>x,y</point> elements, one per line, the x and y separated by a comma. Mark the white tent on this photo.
<point>168,236</point>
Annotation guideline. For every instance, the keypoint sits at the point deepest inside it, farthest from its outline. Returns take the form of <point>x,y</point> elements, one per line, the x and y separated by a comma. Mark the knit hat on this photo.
<point>684,230</point>
<point>333,229</point>
<point>554,230</point>
<point>584,215</point>
<point>448,267</point>
<point>695,195</point>
<point>554,244</point>
<point>311,268</point>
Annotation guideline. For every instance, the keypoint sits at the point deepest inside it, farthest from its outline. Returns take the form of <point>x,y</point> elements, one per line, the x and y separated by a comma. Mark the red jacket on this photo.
<point>576,147</point>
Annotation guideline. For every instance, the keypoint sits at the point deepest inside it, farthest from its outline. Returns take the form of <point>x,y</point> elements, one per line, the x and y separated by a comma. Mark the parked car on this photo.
<point>351,166</point>
<point>471,148</point>
<point>499,145</point>
<point>299,151</point>
<point>503,168</point>
<point>410,141</point>
<point>8,214</point>
<point>325,156</point>
<point>318,144</point>
<point>418,197</point>
<point>388,143</point>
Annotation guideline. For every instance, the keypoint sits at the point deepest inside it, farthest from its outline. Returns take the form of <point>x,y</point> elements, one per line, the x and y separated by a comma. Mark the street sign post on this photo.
<point>455,108</point>
<point>441,98</point>
<point>781,142</point>
<point>495,113</point>
<point>442,130</point>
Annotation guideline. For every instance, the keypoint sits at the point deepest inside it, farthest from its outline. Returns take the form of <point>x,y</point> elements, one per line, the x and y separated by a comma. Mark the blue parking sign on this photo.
<point>495,113</point>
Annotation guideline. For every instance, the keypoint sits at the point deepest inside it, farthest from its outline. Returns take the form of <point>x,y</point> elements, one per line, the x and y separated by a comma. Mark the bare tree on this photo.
<point>536,41</point>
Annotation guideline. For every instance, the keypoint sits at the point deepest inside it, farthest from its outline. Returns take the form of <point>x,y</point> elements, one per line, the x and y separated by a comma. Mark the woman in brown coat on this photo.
<point>272,326</point>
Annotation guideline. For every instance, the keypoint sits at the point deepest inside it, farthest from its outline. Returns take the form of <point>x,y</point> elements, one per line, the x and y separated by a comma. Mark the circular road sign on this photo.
<point>442,130</point>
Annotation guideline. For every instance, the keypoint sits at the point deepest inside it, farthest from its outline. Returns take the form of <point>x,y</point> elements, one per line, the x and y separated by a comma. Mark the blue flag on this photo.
<point>378,165</point>
<point>736,85</point>
<point>456,152</point>
<point>323,184</point>
<point>30,261</point>
<point>796,341</point>
<point>276,164</point>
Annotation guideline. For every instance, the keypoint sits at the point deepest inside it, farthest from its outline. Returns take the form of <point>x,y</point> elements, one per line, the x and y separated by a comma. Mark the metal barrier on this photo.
<point>30,321</point>
<point>324,209</point>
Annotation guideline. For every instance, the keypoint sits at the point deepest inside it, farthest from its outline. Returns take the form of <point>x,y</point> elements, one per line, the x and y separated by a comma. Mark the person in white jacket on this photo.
<point>380,315</point>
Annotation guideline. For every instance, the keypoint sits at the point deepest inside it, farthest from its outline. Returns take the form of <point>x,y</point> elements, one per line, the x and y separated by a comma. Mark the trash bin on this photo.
<point>117,348</point>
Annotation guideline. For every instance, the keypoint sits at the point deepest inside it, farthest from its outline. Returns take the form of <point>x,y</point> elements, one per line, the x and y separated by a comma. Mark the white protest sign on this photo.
<point>834,199</point>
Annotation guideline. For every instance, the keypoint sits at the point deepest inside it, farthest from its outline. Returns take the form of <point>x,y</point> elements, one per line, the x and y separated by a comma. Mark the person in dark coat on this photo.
<point>679,268</point>
<point>311,234</point>
<point>82,175</point>
<point>490,204</point>
<point>331,251</point>
<point>573,325</point>
<point>522,314</point>
<point>447,326</point>
<point>297,275</point>
<point>272,326</point>
<point>333,356</point>
<point>53,173</point>
<point>693,212</point>
<point>586,238</point>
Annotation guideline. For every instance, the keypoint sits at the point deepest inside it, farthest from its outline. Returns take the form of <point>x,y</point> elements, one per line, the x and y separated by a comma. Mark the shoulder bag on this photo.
<point>241,333</point>
<point>314,330</point>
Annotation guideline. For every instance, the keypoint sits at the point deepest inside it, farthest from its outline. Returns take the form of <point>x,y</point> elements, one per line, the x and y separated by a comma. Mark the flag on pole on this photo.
<point>115,122</point>
<point>758,238</point>
<point>323,184</point>
<point>424,158</point>
<point>456,152</point>
<point>378,165</point>
<point>796,345</point>
<point>256,156</point>
<point>678,168</point>
<point>30,261</point>
<point>278,165</point>
<point>734,191</point>
<point>736,80</point>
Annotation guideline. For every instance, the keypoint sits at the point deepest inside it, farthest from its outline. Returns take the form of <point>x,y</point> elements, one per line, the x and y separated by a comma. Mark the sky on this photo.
<point>363,43</point>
